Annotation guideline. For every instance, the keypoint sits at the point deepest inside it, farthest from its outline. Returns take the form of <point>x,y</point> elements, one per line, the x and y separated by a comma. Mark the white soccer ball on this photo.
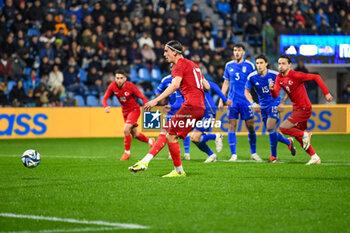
<point>31,158</point>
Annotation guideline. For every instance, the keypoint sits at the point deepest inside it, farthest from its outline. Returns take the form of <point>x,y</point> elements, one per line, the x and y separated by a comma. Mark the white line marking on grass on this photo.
<point>63,156</point>
<point>69,230</point>
<point>70,220</point>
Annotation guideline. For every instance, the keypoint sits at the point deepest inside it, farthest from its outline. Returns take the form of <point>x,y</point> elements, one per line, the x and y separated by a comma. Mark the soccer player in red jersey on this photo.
<point>126,93</point>
<point>293,84</point>
<point>188,77</point>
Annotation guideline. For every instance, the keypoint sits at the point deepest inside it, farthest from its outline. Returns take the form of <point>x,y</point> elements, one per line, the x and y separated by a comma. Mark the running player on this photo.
<point>235,78</point>
<point>126,93</point>
<point>268,106</point>
<point>188,77</point>
<point>199,135</point>
<point>175,101</point>
<point>292,83</point>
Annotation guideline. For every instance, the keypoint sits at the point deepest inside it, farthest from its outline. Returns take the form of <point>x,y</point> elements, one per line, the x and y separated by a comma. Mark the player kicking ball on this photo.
<point>292,83</point>
<point>268,107</point>
<point>126,92</point>
<point>199,135</point>
<point>188,77</point>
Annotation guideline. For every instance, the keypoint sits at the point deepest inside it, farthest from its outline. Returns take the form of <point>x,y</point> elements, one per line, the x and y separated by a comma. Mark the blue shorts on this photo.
<point>245,110</point>
<point>207,120</point>
<point>270,112</point>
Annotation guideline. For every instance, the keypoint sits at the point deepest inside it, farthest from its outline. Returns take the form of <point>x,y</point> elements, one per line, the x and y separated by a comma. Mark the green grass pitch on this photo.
<point>83,179</point>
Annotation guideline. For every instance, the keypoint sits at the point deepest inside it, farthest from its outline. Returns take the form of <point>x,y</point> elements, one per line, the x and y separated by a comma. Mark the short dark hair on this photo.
<point>239,46</point>
<point>175,45</point>
<point>286,57</point>
<point>261,56</point>
<point>121,72</point>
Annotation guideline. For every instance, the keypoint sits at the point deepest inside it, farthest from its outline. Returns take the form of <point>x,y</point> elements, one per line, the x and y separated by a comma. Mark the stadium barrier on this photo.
<point>94,122</point>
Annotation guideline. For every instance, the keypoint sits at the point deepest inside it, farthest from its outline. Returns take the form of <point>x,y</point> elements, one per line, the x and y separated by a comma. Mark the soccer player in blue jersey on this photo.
<point>268,106</point>
<point>198,136</point>
<point>175,101</point>
<point>235,78</point>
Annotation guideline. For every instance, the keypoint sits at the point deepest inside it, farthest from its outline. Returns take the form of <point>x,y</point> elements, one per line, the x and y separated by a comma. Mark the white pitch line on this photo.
<point>69,230</point>
<point>63,156</point>
<point>70,220</point>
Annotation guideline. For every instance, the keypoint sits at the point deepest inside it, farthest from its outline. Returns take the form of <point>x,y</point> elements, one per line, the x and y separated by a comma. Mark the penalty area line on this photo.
<point>77,221</point>
<point>86,229</point>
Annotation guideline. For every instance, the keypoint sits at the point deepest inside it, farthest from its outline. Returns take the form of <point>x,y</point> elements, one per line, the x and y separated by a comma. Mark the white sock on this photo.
<point>149,141</point>
<point>147,158</point>
<point>179,169</point>
<point>127,151</point>
<point>316,156</point>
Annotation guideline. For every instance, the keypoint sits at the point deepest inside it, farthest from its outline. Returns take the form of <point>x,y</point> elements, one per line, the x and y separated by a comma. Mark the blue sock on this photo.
<point>207,137</point>
<point>232,140</point>
<point>283,139</point>
<point>252,142</point>
<point>204,147</point>
<point>273,142</point>
<point>187,142</point>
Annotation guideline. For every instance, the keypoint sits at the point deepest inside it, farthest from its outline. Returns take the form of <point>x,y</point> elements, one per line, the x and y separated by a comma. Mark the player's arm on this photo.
<point>175,84</point>
<point>318,80</point>
<point>206,85</point>
<point>275,88</point>
<point>139,94</point>
<point>224,90</point>
<point>280,107</point>
<point>216,88</point>
<point>249,97</point>
<point>105,99</point>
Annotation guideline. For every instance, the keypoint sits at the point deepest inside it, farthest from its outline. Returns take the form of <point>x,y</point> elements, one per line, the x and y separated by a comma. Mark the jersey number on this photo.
<point>198,77</point>
<point>265,89</point>
<point>122,98</point>
<point>237,76</point>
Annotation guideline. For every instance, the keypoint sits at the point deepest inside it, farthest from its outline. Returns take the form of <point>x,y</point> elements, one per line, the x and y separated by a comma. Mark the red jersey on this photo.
<point>126,96</point>
<point>191,85</point>
<point>293,85</point>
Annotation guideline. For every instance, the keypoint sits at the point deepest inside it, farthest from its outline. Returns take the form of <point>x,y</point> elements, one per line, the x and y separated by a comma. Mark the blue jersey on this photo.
<point>261,85</point>
<point>237,75</point>
<point>166,81</point>
<point>208,99</point>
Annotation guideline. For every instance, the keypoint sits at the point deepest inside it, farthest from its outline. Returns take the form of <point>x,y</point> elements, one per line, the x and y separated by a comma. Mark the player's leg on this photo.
<point>141,137</point>
<point>196,137</point>
<point>271,129</point>
<point>174,149</point>
<point>127,141</point>
<point>252,139</point>
<point>232,115</point>
<point>187,143</point>
<point>314,158</point>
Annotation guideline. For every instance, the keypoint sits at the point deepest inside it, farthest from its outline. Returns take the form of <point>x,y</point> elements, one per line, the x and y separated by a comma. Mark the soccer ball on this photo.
<point>31,158</point>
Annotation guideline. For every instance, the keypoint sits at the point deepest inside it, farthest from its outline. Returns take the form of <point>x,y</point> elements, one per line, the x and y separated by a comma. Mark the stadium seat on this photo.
<point>91,101</point>
<point>144,74</point>
<point>82,75</point>
<point>156,75</point>
<point>80,100</point>
<point>108,101</point>
<point>10,85</point>
<point>115,101</point>
<point>133,75</point>
<point>32,32</point>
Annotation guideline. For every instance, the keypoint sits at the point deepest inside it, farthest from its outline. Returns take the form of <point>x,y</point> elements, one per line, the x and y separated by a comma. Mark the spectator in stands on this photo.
<point>45,66</point>
<point>48,24</point>
<point>135,55</point>
<point>301,67</point>
<point>159,35</point>
<point>18,66</point>
<point>265,15</point>
<point>71,81</point>
<point>5,67</point>
<point>252,33</point>
<point>345,97</point>
<point>346,25</point>
<point>225,11</point>
<point>9,46</point>
<point>41,94</point>
<point>299,28</point>
<point>319,16</point>
<point>145,39</point>
<point>30,100</point>
<point>183,37</point>
<point>207,38</point>
<point>333,18</point>
<point>148,57</point>
<point>94,81</point>
<point>298,16</point>
<point>194,15</point>
<point>304,6</point>
<point>69,101</point>
<point>54,98</point>
<point>98,10</point>
<point>19,24</point>
<point>219,41</point>
<point>324,28</point>
<point>173,13</point>
<point>268,33</point>
<point>255,13</point>
<point>242,18</point>
<point>9,11</point>
<point>56,79</point>
<point>33,78</point>
<point>3,96</point>
<point>18,95</point>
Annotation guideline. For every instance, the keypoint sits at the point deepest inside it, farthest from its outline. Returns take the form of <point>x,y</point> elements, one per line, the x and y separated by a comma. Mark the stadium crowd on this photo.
<point>58,53</point>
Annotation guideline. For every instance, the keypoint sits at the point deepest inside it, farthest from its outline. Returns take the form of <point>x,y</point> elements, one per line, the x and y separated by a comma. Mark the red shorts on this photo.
<point>184,120</point>
<point>299,117</point>
<point>131,117</point>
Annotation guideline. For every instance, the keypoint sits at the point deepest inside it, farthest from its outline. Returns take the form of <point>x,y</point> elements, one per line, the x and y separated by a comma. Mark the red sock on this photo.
<point>142,137</point>
<point>310,151</point>
<point>292,132</point>
<point>158,145</point>
<point>174,149</point>
<point>127,142</point>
